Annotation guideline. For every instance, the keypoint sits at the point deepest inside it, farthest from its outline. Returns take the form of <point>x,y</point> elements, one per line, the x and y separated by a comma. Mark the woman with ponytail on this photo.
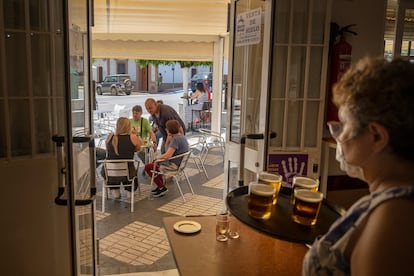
<point>122,145</point>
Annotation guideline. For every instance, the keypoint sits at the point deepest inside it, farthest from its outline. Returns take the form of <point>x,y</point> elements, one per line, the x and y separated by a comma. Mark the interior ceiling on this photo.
<point>158,29</point>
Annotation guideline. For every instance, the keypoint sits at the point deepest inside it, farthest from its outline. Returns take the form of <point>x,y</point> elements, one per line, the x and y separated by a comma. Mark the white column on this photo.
<point>217,84</point>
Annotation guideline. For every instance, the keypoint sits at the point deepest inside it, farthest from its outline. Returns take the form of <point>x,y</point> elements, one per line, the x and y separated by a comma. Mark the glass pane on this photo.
<point>279,72</point>
<point>294,123</point>
<point>404,48</point>
<point>79,80</point>
<point>16,63</point>
<point>59,70</point>
<point>253,85</point>
<point>311,124</point>
<point>3,145</point>
<point>300,21</point>
<point>276,118</point>
<point>388,48</point>
<point>19,115</point>
<point>43,126</point>
<point>247,73</point>
<point>315,72</point>
<point>13,11</point>
<point>39,19</point>
<point>297,73</point>
<point>318,21</point>
<point>282,21</point>
<point>41,64</point>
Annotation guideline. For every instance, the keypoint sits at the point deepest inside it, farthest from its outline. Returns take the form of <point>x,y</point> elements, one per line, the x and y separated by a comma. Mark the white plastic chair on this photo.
<point>198,151</point>
<point>118,168</point>
<point>213,141</point>
<point>177,174</point>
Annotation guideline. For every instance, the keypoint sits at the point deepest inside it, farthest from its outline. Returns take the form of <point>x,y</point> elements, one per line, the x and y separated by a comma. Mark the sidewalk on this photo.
<point>136,242</point>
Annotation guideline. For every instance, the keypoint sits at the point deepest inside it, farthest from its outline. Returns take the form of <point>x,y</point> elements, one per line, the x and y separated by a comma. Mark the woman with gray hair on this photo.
<point>375,142</point>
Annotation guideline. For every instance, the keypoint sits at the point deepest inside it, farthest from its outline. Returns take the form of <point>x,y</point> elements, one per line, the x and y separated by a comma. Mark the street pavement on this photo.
<point>170,97</point>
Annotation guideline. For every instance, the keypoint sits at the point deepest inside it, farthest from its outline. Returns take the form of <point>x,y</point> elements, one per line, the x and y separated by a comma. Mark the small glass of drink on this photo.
<point>260,200</point>
<point>222,225</point>
<point>274,180</point>
<point>233,227</point>
<point>306,206</point>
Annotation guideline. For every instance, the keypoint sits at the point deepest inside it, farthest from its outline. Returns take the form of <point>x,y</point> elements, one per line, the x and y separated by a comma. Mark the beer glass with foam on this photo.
<point>306,183</point>
<point>260,200</point>
<point>306,206</point>
<point>274,180</point>
<point>303,182</point>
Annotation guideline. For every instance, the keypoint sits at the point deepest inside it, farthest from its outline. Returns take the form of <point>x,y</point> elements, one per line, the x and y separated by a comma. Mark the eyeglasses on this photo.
<point>335,128</point>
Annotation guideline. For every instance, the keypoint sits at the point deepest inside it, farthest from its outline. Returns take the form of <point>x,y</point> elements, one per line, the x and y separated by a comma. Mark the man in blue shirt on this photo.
<point>161,113</point>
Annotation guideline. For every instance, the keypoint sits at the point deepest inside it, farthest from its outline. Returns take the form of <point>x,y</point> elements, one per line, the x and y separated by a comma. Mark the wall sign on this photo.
<point>288,165</point>
<point>248,27</point>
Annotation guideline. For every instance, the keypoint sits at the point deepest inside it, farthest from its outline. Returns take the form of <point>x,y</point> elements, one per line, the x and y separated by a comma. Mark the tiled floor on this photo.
<point>136,242</point>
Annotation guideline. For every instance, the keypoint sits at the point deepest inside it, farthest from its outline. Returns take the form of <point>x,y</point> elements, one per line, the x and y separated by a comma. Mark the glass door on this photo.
<point>81,146</point>
<point>278,75</point>
<point>297,96</point>
<point>46,146</point>
<point>249,63</point>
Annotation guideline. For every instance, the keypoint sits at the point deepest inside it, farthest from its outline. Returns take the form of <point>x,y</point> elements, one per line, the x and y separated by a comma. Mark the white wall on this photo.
<point>369,15</point>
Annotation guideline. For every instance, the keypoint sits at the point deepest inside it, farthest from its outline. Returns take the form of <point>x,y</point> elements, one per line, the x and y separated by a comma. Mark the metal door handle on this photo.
<point>59,141</point>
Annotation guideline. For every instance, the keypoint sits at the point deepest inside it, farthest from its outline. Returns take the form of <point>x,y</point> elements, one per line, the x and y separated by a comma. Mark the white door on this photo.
<point>403,34</point>
<point>278,74</point>
<point>44,80</point>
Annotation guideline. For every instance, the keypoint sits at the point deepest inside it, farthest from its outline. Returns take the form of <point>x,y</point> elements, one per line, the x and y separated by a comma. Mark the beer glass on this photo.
<point>306,206</point>
<point>303,182</point>
<point>222,225</point>
<point>275,180</point>
<point>306,183</point>
<point>260,200</point>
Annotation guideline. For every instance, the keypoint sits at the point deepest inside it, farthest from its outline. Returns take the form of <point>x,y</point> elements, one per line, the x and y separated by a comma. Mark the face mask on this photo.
<point>351,170</point>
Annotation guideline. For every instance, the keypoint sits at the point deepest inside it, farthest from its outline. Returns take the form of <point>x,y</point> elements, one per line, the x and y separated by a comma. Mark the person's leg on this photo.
<point>158,180</point>
<point>158,135</point>
<point>132,172</point>
<point>141,155</point>
<point>100,155</point>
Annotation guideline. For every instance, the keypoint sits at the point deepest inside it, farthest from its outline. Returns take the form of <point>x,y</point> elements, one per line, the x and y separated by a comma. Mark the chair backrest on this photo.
<point>206,105</point>
<point>184,160</point>
<point>117,168</point>
<point>197,144</point>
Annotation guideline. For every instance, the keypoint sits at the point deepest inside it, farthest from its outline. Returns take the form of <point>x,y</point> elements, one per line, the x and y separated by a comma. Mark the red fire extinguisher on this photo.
<point>341,54</point>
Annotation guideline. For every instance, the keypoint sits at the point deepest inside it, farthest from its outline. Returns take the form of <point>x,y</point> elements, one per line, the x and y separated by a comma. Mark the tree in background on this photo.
<point>185,67</point>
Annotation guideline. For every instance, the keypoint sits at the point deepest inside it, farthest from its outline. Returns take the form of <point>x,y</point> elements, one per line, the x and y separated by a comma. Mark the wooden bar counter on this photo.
<point>251,254</point>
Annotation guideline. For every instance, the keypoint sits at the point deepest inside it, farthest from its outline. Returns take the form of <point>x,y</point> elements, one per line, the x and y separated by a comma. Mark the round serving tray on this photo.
<point>280,224</point>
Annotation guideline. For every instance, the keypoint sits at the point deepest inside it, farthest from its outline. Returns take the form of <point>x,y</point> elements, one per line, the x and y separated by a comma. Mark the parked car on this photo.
<point>206,78</point>
<point>115,84</point>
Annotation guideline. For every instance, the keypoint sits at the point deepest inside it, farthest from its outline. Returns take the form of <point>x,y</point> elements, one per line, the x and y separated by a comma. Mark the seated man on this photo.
<point>142,128</point>
<point>176,144</point>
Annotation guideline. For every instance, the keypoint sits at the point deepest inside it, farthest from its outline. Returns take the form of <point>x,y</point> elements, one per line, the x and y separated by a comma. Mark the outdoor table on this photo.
<point>252,253</point>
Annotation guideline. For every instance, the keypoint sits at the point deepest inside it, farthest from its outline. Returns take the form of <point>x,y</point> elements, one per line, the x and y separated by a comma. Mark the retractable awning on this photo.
<point>158,29</point>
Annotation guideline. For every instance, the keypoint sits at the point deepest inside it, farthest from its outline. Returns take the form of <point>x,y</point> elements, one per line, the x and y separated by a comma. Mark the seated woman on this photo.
<point>175,144</point>
<point>122,145</point>
<point>198,98</point>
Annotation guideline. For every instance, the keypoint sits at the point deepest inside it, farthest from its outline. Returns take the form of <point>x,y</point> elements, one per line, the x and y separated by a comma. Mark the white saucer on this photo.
<point>187,226</point>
